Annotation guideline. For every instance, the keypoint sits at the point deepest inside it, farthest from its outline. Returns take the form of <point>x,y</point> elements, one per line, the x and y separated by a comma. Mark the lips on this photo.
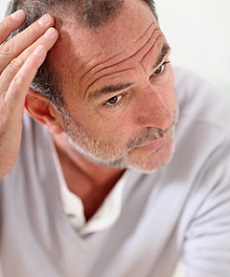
<point>154,145</point>
<point>152,141</point>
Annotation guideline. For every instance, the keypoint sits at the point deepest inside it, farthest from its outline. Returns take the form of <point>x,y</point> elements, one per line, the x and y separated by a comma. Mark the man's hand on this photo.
<point>20,57</point>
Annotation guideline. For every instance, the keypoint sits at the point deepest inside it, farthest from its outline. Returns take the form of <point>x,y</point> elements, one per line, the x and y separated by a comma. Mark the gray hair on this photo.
<point>90,13</point>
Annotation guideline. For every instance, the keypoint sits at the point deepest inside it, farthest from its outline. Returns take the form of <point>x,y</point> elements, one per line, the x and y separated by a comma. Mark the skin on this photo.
<point>19,60</point>
<point>113,134</point>
<point>109,132</point>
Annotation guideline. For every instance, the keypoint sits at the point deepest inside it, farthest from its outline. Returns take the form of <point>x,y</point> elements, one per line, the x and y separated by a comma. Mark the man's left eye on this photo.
<point>160,69</point>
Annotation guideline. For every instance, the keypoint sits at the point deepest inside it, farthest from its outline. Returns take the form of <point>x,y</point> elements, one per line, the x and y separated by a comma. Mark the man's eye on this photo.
<point>160,69</point>
<point>114,100</point>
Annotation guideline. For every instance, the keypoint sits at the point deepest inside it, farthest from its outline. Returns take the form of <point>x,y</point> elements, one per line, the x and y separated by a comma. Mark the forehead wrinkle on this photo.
<point>95,92</point>
<point>116,64</point>
<point>151,48</point>
<point>160,55</point>
<point>134,54</point>
<point>100,65</point>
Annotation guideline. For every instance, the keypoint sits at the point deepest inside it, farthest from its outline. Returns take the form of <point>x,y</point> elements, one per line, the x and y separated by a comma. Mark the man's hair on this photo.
<point>90,13</point>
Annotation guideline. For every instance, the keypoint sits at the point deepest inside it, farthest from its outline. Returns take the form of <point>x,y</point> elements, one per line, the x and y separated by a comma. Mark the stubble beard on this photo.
<point>121,157</point>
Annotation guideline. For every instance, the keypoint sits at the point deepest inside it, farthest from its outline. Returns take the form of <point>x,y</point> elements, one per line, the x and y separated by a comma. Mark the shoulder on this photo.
<point>202,139</point>
<point>201,101</point>
<point>204,113</point>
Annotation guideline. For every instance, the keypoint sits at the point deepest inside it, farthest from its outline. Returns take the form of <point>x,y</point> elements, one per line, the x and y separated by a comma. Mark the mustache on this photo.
<point>150,134</point>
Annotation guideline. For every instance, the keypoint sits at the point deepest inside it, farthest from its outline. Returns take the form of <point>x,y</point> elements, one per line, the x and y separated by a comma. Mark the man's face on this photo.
<point>119,90</point>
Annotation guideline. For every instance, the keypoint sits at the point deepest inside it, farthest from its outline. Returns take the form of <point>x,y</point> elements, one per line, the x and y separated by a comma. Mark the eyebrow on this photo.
<point>164,51</point>
<point>119,87</point>
<point>109,89</point>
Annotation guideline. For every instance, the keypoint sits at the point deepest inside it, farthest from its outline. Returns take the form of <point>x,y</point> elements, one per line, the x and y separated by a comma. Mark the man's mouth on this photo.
<point>155,144</point>
<point>154,141</point>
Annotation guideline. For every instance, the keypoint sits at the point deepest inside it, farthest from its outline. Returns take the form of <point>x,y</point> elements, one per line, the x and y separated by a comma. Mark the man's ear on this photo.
<point>43,111</point>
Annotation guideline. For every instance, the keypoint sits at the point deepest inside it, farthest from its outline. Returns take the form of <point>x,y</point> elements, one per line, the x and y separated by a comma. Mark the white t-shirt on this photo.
<point>104,217</point>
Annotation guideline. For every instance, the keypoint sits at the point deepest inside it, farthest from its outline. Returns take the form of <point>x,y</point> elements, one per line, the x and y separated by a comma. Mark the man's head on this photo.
<point>90,13</point>
<point>115,82</point>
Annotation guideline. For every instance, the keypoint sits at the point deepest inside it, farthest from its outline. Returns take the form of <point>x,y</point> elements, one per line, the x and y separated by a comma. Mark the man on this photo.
<point>90,184</point>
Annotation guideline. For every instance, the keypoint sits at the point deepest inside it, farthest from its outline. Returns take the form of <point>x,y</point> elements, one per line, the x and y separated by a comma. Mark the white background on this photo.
<point>199,34</point>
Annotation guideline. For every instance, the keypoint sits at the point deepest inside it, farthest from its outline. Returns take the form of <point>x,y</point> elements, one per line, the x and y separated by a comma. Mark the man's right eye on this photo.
<point>114,100</point>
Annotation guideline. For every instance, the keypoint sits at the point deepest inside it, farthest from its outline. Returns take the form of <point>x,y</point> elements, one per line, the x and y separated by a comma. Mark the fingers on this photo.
<point>47,41</point>
<point>20,59</point>
<point>23,40</point>
<point>10,24</point>
<point>21,56</point>
<point>19,86</point>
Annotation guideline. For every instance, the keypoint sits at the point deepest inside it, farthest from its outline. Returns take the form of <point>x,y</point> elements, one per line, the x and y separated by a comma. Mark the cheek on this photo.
<point>99,128</point>
<point>85,119</point>
<point>169,96</point>
<point>170,99</point>
<point>114,127</point>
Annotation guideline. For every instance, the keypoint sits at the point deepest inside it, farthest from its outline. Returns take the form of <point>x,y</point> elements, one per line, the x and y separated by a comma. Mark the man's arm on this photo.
<point>20,57</point>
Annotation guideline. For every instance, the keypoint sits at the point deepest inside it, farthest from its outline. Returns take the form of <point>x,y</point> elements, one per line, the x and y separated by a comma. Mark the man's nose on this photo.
<point>153,110</point>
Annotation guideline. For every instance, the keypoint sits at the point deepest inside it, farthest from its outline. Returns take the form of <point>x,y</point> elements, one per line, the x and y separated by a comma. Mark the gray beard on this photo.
<point>118,163</point>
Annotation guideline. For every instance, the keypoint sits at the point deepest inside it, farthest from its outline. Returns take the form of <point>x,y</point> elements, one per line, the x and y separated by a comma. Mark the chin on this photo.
<point>145,161</point>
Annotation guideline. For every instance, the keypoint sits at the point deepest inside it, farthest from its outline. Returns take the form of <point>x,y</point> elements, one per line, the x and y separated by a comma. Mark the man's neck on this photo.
<point>90,181</point>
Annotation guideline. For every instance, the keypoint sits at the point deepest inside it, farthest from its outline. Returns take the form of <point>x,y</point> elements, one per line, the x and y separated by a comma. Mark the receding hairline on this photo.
<point>45,81</point>
<point>89,13</point>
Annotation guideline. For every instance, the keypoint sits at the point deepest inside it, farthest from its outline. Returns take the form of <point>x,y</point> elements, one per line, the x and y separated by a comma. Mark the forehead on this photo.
<point>80,51</point>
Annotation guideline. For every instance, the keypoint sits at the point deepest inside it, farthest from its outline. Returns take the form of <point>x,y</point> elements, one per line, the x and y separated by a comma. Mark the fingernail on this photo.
<point>18,15</point>
<point>49,33</point>
<point>44,20</point>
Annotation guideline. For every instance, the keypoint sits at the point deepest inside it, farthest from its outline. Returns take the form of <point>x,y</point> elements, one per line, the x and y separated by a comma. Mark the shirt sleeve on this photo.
<point>206,247</point>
